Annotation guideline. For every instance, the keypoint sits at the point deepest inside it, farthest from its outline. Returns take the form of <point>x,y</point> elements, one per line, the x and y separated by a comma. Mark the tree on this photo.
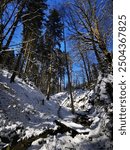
<point>54,29</point>
<point>31,32</point>
<point>53,36</point>
<point>9,20</point>
<point>83,22</point>
<point>17,19</point>
<point>68,74</point>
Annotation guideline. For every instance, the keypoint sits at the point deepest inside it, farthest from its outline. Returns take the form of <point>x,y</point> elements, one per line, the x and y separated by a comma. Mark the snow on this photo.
<point>25,105</point>
<point>78,127</point>
<point>22,112</point>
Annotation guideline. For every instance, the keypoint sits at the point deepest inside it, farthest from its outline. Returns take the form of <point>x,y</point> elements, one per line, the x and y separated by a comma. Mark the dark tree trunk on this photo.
<point>16,68</point>
<point>15,23</point>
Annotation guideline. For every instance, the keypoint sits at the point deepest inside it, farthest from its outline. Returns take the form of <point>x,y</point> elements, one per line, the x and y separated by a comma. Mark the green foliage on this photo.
<point>54,29</point>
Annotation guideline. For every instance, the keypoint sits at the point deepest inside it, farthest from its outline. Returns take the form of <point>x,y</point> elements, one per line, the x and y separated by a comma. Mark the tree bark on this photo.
<point>49,80</point>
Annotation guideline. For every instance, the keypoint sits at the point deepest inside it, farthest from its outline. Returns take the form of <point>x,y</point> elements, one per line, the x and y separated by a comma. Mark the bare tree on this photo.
<point>11,29</point>
<point>83,22</point>
<point>68,74</point>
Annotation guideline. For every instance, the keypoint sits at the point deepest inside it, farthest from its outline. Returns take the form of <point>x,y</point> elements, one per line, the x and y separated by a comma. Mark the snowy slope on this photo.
<point>21,105</point>
<point>24,112</point>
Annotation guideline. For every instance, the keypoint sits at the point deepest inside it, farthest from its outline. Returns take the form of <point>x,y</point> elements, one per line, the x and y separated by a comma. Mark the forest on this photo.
<point>56,71</point>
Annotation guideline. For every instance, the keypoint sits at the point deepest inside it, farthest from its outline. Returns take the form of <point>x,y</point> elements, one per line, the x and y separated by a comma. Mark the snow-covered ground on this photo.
<point>25,112</point>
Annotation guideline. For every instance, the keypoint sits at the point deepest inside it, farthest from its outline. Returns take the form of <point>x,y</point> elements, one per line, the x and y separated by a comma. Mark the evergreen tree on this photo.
<point>54,29</point>
<point>32,20</point>
<point>53,36</point>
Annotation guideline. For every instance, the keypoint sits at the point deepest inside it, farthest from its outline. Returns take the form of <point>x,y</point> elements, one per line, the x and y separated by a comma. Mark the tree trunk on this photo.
<point>70,85</point>
<point>16,68</point>
<point>107,55</point>
<point>49,81</point>
<point>89,70</point>
<point>60,83</point>
<point>48,87</point>
<point>27,64</point>
<point>68,74</point>
<point>25,47</point>
<point>21,68</point>
<point>85,67</point>
<point>102,44</point>
<point>15,24</point>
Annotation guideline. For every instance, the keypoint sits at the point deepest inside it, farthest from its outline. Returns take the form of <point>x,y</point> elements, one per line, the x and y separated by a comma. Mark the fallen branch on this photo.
<point>24,144</point>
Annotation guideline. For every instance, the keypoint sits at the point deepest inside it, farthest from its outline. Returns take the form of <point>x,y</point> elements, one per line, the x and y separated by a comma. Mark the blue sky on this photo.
<point>52,4</point>
<point>18,36</point>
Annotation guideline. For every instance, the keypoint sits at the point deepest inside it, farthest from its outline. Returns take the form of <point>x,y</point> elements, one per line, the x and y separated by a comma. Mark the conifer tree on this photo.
<point>32,20</point>
<point>54,36</point>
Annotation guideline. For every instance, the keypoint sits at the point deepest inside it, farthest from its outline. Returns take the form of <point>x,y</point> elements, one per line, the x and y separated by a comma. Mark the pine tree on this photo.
<point>54,28</point>
<point>54,36</point>
<point>32,20</point>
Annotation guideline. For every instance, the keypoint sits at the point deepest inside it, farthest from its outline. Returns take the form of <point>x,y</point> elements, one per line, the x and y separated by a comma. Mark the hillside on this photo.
<point>29,122</point>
